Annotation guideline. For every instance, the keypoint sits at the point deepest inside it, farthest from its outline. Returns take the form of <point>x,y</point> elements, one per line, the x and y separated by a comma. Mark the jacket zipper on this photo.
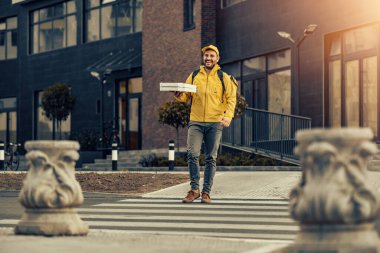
<point>204,113</point>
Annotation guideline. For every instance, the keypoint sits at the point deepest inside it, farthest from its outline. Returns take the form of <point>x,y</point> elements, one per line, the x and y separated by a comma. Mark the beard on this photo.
<point>208,66</point>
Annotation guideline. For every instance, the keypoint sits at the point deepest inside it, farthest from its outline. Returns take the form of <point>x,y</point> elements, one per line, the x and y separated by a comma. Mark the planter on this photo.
<point>50,191</point>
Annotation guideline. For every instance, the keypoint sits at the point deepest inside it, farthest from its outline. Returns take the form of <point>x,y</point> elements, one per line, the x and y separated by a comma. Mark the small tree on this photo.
<point>57,103</point>
<point>241,104</point>
<point>175,114</point>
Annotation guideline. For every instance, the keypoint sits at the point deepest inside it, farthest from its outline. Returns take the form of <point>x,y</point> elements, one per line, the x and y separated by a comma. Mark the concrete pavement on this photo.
<point>227,185</point>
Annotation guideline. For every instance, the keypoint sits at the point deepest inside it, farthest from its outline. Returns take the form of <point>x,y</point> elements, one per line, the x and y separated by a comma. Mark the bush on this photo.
<point>241,159</point>
<point>87,139</point>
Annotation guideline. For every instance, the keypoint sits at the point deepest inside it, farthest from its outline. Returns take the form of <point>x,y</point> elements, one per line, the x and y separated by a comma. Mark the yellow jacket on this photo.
<point>207,104</point>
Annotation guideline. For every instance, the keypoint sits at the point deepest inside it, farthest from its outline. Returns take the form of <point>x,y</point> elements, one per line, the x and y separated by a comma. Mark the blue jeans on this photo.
<point>211,134</point>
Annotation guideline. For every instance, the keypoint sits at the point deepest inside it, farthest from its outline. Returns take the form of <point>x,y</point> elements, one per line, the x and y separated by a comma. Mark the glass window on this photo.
<point>92,23</point>
<point>106,19</point>
<point>336,47</point>
<point>107,22</point>
<point>279,60</point>
<point>53,27</point>
<point>8,119</point>
<point>138,16</point>
<point>370,93</point>
<point>352,84</point>
<point>335,93</point>
<point>254,65</point>
<point>279,92</point>
<point>233,69</point>
<point>8,103</point>
<point>124,19</point>
<point>361,39</point>
<point>135,85</point>
<point>189,14</point>
<point>8,38</point>
<point>352,93</point>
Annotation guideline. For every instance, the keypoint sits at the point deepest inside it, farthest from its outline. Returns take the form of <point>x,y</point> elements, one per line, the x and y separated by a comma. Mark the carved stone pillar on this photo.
<point>50,191</point>
<point>334,202</point>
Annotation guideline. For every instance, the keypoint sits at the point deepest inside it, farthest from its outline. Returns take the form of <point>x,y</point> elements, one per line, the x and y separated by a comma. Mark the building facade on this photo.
<point>330,75</point>
<point>114,53</point>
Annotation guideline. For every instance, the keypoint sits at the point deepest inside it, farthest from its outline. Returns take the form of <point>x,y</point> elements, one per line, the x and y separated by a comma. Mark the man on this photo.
<point>212,109</point>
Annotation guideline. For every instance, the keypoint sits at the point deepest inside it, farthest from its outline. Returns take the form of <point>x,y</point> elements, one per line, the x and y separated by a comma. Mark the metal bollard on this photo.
<point>114,156</point>
<point>171,155</point>
<point>2,155</point>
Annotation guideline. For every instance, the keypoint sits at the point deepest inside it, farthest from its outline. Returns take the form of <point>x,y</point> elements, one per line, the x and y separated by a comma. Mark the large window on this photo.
<point>188,14</point>
<point>352,78</point>
<point>44,126</point>
<point>266,81</point>
<point>110,18</point>
<point>8,38</point>
<point>53,27</point>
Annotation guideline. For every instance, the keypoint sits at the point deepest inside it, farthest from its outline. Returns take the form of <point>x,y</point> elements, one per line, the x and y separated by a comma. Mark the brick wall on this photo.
<point>208,22</point>
<point>169,55</point>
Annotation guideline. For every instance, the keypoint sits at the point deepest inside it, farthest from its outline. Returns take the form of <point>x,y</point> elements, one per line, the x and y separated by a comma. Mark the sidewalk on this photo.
<point>227,185</point>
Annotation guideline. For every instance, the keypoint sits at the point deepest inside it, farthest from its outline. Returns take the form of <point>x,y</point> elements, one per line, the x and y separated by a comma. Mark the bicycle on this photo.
<point>11,157</point>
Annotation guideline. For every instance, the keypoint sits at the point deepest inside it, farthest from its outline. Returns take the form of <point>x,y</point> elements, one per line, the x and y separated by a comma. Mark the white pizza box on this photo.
<point>184,87</point>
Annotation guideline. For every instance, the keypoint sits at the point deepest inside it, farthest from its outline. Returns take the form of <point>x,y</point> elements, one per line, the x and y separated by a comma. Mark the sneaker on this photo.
<point>206,198</point>
<point>191,196</point>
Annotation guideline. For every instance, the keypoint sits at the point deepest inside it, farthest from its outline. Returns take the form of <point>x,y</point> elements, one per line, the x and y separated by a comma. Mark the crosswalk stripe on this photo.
<point>193,206</point>
<point>194,225</point>
<point>181,226</point>
<point>182,212</point>
<point>215,201</point>
<point>188,218</point>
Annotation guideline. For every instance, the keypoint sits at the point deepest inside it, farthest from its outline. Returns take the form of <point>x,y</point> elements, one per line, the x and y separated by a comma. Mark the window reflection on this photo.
<point>279,92</point>
<point>370,92</point>
<point>106,19</point>
<point>360,39</point>
<point>53,27</point>
<point>335,91</point>
<point>8,38</point>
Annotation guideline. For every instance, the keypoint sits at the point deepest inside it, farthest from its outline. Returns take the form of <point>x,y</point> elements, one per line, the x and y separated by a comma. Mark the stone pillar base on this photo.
<point>51,222</point>
<point>335,239</point>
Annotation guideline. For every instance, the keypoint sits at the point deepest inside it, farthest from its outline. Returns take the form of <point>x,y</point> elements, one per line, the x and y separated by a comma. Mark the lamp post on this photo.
<point>103,81</point>
<point>308,31</point>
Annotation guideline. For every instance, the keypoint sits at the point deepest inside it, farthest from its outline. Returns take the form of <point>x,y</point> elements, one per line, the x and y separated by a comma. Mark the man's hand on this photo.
<point>177,94</point>
<point>225,122</point>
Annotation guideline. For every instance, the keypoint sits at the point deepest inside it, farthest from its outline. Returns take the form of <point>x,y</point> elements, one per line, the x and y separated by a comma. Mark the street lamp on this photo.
<point>307,31</point>
<point>103,80</point>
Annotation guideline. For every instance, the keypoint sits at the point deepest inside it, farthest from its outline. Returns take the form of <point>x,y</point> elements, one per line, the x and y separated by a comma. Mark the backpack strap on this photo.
<point>195,72</point>
<point>220,74</point>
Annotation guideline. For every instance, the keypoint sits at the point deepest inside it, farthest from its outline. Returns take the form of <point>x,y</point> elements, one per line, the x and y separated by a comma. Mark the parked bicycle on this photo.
<point>11,156</point>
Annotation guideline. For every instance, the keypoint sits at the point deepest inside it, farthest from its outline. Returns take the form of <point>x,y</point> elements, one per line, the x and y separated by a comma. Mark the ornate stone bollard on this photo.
<point>50,190</point>
<point>334,202</point>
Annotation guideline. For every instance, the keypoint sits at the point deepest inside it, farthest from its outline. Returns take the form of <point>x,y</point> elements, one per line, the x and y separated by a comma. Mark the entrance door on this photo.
<point>129,112</point>
<point>361,93</point>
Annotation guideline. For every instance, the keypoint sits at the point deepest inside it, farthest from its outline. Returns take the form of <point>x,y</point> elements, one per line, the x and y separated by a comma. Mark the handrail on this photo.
<point>266,132</point>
